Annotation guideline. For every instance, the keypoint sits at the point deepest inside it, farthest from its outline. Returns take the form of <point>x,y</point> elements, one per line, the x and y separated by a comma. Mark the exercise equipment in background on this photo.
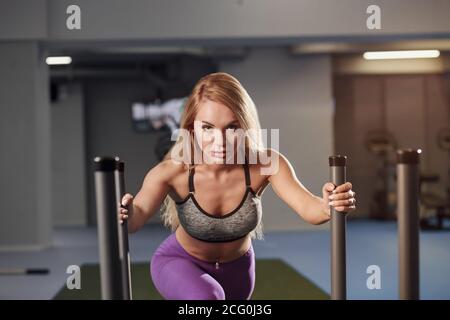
<point>382,144</point>
<point>161,118</point>
<point>438,204</point>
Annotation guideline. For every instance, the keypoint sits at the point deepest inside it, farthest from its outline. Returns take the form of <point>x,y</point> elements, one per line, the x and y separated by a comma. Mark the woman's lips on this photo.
<point>218,154</point>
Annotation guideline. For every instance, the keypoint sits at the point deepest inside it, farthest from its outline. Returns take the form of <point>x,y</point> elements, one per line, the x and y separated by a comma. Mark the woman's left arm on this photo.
<point>311,208</point>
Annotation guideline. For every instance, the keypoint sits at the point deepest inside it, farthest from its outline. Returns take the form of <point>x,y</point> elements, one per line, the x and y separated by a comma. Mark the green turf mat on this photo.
<point>274,280</point>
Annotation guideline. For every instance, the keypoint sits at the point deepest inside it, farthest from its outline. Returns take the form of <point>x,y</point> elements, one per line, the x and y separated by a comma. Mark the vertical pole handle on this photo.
<point>124,252</point>
<point>338,228</point>
<point>408,161</point>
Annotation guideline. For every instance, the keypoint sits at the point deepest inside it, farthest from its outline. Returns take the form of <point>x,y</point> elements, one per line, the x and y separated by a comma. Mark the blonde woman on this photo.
<point>213,206</point>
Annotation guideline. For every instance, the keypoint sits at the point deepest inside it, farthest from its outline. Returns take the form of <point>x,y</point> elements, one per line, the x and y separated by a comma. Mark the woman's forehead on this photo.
<point>215,113</point>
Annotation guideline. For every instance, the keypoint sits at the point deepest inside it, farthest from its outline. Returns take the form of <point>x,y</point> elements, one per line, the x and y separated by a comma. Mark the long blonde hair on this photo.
<point>222,88</point>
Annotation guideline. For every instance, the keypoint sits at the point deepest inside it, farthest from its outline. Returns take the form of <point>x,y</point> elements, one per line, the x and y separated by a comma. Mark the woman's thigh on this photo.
<point>181,279</point>
<point>237,277</point>
<point>178,275</point>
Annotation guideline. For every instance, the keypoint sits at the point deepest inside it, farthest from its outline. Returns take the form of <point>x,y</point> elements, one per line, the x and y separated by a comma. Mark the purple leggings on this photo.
<point>177,275</point>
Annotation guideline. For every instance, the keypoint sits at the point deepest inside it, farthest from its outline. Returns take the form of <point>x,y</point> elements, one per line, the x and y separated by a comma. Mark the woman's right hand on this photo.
<point>127,201</point>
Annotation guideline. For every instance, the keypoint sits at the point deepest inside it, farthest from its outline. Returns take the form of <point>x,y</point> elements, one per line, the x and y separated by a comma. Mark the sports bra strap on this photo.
<point>247,174</point>
<point>191,180</point>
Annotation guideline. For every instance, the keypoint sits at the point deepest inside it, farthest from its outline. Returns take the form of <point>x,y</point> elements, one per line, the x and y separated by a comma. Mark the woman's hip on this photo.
<point>170,248</point>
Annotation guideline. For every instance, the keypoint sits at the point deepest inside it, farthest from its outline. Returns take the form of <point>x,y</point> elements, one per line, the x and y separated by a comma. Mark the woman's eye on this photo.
<point>209,128</point>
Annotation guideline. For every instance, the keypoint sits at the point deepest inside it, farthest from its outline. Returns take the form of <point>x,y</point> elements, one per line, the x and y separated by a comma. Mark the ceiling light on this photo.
<point>404,54</point>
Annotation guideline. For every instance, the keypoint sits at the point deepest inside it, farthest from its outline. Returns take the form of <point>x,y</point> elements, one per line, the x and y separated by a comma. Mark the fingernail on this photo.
<point>331,197</point>
<point>334,191</point>
<point>330,203</point>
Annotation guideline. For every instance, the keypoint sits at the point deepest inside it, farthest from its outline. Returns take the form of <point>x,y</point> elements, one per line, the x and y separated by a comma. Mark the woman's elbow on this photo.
<point>131,229</point>
<point>318,219</point>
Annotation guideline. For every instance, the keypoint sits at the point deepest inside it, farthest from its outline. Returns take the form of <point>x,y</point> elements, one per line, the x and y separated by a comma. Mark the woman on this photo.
<point>210,255</point>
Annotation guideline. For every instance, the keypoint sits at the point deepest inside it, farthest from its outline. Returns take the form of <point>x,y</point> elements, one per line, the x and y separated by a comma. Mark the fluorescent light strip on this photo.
<point>405,54</point>
<point>58,60</point>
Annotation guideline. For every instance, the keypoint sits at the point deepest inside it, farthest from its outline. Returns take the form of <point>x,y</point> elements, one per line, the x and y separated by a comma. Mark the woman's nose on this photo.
<point>219,138</point>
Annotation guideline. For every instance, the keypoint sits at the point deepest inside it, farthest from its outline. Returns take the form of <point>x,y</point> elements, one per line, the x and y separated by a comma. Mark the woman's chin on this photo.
<point>216,160</point>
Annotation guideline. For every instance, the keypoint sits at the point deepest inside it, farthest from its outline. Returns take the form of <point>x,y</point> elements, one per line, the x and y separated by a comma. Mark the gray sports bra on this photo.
<point>229,227</point>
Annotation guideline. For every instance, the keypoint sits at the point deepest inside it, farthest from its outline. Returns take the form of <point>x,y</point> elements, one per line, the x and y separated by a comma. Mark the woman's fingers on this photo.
<point>345,208</point>
<point>343,203</point>
<point>341,196</point>
<point>343,188</point>
<point>328,187</point>
<point>126,199</point>
<point>123,215</point>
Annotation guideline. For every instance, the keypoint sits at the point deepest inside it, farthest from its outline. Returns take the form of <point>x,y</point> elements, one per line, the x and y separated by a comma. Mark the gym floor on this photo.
<point>368,243</point>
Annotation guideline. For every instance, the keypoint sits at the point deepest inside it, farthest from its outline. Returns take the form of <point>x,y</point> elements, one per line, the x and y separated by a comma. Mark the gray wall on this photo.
<point>251,19</point>
<point>25,144</point>
<point>256,20</point>
<point>68,155</point>
<point>23,19</point>
<point>292,94</point>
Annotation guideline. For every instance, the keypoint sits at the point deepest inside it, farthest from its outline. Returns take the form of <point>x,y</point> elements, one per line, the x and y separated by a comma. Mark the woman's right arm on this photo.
<point>153,191</point>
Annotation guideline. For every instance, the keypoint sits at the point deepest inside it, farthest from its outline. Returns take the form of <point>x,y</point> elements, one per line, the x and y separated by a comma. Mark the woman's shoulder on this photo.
<point>168,169</point>
<point>266,160</point>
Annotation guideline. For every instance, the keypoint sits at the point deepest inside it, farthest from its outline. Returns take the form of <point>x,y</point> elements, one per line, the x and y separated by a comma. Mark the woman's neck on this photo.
<point>217,168</point>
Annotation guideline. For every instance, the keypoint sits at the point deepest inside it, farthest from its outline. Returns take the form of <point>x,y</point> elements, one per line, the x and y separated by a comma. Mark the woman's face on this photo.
<point>214,125</point>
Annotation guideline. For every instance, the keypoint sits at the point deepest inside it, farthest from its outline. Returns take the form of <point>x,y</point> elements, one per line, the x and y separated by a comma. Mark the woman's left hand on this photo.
<point>341,198</point>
